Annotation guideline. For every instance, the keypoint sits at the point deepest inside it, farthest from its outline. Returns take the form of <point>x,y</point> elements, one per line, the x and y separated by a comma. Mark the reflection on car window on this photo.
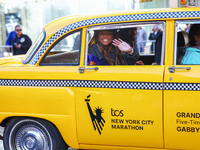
<point>33,49</point>
<point>146,42</point>
<point>66,51</point>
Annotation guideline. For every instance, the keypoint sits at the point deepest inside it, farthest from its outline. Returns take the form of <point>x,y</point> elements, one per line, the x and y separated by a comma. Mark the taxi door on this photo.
<point>120,105</point>
<point>181,103</point>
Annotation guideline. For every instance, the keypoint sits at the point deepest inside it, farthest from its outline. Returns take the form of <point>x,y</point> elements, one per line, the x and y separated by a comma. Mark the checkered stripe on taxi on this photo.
<point>83,83</point>
<point>182,86</point>
<point>102,84</point>
<point>112,19</point>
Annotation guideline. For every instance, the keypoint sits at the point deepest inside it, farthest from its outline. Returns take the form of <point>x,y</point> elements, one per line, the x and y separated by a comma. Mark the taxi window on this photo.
<point>187,42</point>
<point>145,40</point>
<point>65,52</point>
<point>33,49</point>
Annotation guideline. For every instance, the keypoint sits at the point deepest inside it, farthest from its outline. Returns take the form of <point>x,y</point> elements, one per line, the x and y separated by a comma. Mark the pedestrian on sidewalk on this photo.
<point>9,40</point>
<point>21,43</point>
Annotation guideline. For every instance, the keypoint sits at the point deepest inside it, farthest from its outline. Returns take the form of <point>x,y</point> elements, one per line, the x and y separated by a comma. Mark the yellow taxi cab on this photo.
<point>52,99</point>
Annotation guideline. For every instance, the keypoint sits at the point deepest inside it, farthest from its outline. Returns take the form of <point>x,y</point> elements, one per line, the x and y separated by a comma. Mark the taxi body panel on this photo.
<point>131,113</point>
<point>106,107</point>
<point>181,108</point>
<point>52,100</point>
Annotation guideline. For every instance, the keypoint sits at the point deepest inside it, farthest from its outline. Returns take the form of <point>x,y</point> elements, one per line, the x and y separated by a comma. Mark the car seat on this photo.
<point>182,41</point>
<point>62,58</point>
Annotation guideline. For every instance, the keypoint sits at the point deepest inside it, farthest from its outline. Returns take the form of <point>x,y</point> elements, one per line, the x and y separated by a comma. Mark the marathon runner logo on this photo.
<point>96,118</point>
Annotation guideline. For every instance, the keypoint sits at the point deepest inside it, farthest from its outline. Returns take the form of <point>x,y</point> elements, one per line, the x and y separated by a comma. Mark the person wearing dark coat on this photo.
<point>96,58</point>
<point>21,43</point>
<point>154,35</point>
<point>158,49</point>
<point>110,51</point>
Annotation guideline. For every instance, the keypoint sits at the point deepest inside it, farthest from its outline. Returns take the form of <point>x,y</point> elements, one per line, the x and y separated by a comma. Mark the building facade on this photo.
<point>33,15</point>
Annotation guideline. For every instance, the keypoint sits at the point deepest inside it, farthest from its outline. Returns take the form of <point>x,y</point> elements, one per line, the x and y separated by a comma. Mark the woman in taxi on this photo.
<point>192,55</point>
<point>110,51</point>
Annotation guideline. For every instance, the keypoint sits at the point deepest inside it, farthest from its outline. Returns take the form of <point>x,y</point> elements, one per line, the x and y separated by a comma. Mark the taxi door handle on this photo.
<point>82,69</point>
<point>173,68</point>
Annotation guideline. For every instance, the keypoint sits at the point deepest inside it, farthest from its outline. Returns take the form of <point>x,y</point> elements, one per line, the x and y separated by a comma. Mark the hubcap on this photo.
<point>30,142</point>
<point>31,137</point>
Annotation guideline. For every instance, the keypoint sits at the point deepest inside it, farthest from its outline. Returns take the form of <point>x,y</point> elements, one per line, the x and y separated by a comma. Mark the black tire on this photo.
<point>32,134</point>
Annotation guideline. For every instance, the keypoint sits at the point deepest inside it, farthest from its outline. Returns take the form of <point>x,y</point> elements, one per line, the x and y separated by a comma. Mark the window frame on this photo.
<point>36,45</point>
<point>177,22</point>
<point>52,46</point>
<point>126,25</point>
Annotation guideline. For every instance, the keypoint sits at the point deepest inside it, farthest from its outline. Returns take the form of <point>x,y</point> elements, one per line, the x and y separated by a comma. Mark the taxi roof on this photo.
<point>64,21</point>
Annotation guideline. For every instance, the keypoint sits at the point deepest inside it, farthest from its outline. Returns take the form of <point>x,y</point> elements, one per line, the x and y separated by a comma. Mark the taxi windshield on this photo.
<point>33,49</point>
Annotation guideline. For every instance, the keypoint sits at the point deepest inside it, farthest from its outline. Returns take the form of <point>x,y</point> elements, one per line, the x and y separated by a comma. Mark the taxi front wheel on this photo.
<point>32,134</point>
